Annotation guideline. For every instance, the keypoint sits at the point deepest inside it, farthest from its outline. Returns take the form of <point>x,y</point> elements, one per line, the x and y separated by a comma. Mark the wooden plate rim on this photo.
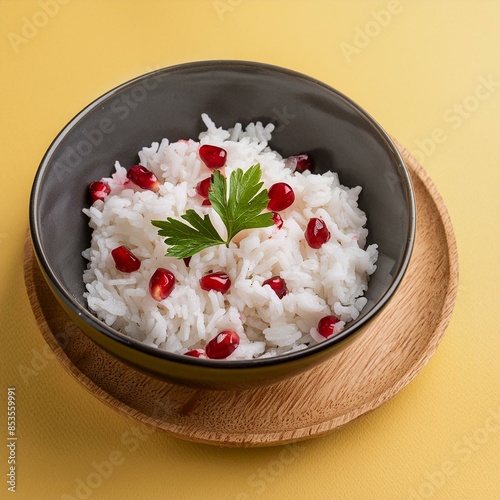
<point>272,438</point>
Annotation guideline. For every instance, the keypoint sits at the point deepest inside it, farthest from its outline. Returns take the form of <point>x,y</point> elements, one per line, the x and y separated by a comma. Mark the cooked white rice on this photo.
<point>330,280</point>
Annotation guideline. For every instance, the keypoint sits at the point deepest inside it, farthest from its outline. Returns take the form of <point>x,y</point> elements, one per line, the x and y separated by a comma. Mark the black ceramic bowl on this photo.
<point>310,117</point>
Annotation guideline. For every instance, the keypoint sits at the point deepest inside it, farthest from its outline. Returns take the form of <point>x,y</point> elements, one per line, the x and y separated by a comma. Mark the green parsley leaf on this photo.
<point>188,240</point>
<point>239,211</point>
<point>242,210</point>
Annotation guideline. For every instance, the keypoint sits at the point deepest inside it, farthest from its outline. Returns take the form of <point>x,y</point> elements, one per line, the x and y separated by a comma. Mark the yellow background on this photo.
<point>414,71</point>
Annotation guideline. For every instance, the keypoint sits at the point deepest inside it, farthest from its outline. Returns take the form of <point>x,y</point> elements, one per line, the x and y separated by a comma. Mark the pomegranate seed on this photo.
<point>196,353</point>
<point>143,177</point>
<point>221,346</point>
<point>281,196</point>
<point>219,282</point>
<point>206,203</point>
<point>316,233</point>
<point>213,156</point>
<point>125,260</point>
<point>300,163</point>
<point>278,285</point>
<point>161,284</point>
<point>99,190</point>
<point>278,221</point>
<point>326,326</point>
<point>203,187</point>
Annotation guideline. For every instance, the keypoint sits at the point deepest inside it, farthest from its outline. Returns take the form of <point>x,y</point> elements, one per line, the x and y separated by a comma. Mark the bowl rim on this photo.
<point>124,340</point>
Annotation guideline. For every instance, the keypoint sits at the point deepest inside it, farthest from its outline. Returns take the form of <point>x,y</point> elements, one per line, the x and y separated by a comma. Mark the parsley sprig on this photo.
<point>239,210</point>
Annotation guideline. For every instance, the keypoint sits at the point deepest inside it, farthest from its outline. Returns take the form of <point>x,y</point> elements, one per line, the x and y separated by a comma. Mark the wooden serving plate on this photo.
<point>365,375</point>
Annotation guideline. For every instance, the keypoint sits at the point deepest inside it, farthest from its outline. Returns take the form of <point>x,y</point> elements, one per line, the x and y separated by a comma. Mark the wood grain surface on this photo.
<point>368,373</point>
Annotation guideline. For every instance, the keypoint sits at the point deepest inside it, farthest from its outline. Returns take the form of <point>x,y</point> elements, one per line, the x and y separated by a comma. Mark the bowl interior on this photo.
<point>309,117</point>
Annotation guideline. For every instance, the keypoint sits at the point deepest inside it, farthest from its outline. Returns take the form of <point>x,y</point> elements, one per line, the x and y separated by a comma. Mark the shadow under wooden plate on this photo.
<point>368,373</point>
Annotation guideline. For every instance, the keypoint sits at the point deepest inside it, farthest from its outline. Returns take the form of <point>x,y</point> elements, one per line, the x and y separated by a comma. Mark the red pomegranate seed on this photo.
<point>300,163</point>
<point>278,285</point>
<point>125,260</point>
<point>206,203</point>
<point>161,284</point>
<point>213,156</point>
<point>196,353</point>
<point>281,196</point>
<point>221,346</point>
<point>99,190</point>
<point>203,187</point>
<point>219,282</point>
<point>316,233</point>
<point>326,326</point>
<point>278,221</point>
<point>143,177</point>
